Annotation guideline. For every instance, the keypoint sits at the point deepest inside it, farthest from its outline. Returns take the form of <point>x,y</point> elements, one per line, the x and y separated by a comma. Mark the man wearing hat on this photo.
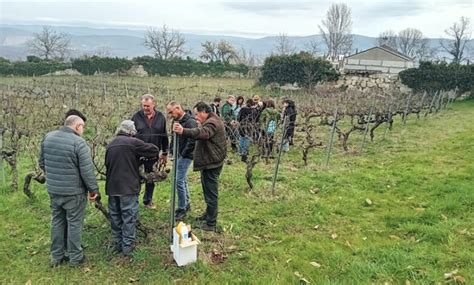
<point>122,184</point>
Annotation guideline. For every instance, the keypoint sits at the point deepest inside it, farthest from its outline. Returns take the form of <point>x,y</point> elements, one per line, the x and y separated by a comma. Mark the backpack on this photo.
<point>271,127</point>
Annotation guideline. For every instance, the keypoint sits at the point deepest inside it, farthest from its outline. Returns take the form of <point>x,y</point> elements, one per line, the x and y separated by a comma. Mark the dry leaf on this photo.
<point>297,274</point>
<point>334,236</point>
<point>288,260</point>
<point>394,237</point>
<point>450,275</point>
<point>459,279</point>
<point>368,202</point>
<point>364,238</point>
<point>315,264</point>
<point>132,280</point>
<point>28,282</point>
<point>316,227</point>
<point>304,280</point>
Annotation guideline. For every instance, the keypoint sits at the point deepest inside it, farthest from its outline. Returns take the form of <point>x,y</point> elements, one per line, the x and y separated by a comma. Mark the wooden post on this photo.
<point>405,113</point>
<point>368,123</point>
<point>389,118</point>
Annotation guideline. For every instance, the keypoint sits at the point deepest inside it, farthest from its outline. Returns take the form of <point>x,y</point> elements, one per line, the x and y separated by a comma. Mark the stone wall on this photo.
<point>373,82</point>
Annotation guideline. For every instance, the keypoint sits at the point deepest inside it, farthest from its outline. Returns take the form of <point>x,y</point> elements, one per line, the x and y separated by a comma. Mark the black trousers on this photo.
<point>210,187</point>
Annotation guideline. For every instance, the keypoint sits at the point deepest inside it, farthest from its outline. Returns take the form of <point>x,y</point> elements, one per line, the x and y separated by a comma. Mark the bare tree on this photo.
<point>103,51</point>
<point>246,57</point>
<point>336,30</point>
<point>209,51</point>
<point>284,46</point>
<point>388,38</point>
<point>459,34</point>
<point>313,47</point>
<point>412,43</point>
<point>166,43</point>
<point>49,44</point>
<point>222,50</point>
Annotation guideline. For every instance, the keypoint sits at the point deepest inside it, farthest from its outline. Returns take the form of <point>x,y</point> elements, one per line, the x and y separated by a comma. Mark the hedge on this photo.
<point>301,68</point>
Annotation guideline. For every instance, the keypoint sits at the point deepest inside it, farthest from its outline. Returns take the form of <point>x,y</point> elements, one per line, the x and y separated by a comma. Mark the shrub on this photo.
<point>301,68</point>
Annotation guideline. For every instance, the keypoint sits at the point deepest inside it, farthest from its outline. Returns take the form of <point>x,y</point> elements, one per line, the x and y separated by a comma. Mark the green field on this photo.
<point>400,210</point>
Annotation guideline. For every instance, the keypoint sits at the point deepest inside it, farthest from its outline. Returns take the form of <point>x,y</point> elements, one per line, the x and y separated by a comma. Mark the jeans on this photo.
<point>210,189</point>
<point>123,217</point>
<point>244,144</point>
<point>149,187</point>
<point>182,181</point>
<point>67,212</point>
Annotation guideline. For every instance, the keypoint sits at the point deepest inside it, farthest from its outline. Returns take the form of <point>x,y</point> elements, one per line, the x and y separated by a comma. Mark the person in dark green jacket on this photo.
<point>269,119</point>
<point>66,161</point>
<point>230,121</point>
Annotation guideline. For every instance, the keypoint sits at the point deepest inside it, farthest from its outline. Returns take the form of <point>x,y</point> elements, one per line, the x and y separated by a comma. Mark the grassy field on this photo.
<point>400,211</point>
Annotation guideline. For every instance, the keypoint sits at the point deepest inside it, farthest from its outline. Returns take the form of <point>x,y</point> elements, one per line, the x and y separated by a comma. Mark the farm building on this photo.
<point>382,59</point>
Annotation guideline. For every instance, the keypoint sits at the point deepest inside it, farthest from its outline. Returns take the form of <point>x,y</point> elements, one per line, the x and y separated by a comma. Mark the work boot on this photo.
<point>180,214</point>
<point>208,228</point>
<point>79,263</point>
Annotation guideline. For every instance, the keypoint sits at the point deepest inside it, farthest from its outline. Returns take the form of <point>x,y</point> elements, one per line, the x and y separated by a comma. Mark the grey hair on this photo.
<point>173,104</point>
<point>127,127</point>
<point>72,121</point>
<point>147,97</point>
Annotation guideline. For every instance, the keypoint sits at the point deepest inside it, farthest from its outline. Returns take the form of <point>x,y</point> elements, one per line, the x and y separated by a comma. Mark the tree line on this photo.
<point>166,43</point>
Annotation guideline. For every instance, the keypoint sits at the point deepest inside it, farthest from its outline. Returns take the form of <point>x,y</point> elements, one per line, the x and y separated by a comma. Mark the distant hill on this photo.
<point>129,42</point>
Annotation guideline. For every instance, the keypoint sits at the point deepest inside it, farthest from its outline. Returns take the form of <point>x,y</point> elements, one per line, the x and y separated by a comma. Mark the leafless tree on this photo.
<point>166,43</point>
<point>388,38</point>
<point>49,44</point>
<point>313,47</point>
<point>336,30</point>
<point>283,45</point>
<point>246,57</point>
<point>103,51</point>
<point>222,50</point>
<point>459,34</point>
<point>412,43</point>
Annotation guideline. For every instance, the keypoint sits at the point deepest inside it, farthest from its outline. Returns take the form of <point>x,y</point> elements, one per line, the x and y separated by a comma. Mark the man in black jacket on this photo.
<point>122,184</point>
<point>151,128</point>
<point>184,157</point>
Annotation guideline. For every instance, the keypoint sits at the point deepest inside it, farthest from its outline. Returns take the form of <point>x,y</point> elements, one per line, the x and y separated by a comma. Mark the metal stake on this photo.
<point>277,163</point>
<point>173,185</point>
<point>331,139</point>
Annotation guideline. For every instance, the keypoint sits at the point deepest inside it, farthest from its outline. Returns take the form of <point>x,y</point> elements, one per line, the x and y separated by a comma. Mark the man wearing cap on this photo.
<point>151,128</point>
<point>122,184</point>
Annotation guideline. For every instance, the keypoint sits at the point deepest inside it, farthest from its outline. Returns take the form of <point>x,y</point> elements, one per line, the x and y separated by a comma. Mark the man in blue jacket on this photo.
<point>151,128</point>
<point>66,161</point>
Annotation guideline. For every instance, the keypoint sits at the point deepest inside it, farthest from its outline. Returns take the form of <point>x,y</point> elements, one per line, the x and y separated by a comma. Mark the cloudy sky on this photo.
<point>249,18</point>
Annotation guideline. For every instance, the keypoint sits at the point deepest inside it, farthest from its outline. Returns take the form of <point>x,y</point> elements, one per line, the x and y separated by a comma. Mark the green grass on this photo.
<point>420,224</point>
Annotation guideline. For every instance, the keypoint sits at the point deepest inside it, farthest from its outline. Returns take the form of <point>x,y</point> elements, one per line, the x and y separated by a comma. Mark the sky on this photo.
<point>243,18</point>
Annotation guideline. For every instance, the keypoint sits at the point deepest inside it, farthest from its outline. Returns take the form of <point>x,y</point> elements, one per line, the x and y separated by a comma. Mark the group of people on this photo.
<point>255,120</point>
<point>67,163</point>
<point>143,140</point>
